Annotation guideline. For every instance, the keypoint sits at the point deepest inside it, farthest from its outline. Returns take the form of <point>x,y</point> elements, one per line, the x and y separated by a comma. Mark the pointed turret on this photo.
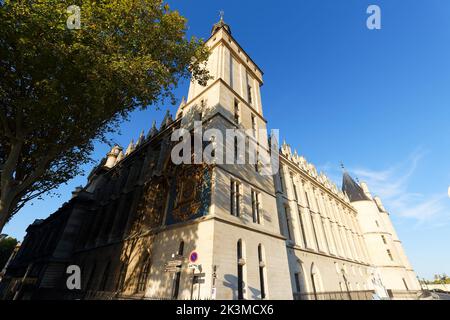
<point>141,139</point>
<point>120,157</point>
<point>153,130</point>
<point>130,148</point>
<point>167,120</point>
<point>352,189</point>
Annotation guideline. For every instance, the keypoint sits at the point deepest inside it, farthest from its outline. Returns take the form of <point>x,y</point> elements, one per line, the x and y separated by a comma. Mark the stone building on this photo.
<point>292,235</point>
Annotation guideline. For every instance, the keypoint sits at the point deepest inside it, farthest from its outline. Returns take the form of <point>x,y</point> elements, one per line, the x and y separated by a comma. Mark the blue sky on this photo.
<point>378,101</point>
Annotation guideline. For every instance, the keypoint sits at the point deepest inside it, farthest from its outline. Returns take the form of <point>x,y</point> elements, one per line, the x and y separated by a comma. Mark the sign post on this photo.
<point>193,257</point>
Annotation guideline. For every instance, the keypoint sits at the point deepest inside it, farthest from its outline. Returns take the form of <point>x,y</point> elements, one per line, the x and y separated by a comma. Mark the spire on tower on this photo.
<point>221,24</point>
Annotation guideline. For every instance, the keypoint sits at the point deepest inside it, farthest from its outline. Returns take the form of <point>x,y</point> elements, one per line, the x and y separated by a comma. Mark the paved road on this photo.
<point>442,296</point>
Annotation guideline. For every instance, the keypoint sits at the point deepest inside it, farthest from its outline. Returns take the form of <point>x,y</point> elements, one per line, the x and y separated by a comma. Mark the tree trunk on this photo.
<point>5,207</point>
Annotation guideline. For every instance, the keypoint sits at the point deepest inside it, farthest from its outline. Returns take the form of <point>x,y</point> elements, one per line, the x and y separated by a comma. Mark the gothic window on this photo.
<point>288,223</point>
<point>307,199</point>
<point>236,150</point>
<point>240,270</point>
<point>256,207</point>
<point>297,277</point>
<point>249,94</point>
<point>235,187</point>
<point>406,286</point>
<point>389,253</point>
<point>122,277</point>
<point>261,271</point>
<point>295,187</point>
<point>143,275</point>
<point>280,174</point>
<point>302,226</point>
<point>236,112</point>
<point>254,125</point>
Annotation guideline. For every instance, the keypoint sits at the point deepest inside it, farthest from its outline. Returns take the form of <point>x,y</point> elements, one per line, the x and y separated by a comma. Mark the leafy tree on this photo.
<point>62,89</point>
<point>7,246</point>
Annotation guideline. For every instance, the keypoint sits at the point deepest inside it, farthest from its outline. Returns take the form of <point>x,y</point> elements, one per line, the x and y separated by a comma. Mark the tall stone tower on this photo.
<point>244,241</point>
<point>385,249</point>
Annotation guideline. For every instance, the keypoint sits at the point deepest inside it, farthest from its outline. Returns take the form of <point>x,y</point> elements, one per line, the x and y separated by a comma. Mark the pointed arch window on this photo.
<point>143,275</point>
<point>240,270</point>
<point>262,266</point>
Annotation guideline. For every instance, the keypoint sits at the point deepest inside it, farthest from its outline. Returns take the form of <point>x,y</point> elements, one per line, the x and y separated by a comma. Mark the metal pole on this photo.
<point>192,285</point>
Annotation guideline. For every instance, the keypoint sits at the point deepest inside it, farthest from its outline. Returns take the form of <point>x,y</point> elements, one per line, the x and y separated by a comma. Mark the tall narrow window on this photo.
<point>254,125</point>
<point>240,270</point>
<point>256,207</point>
<point>384,239</point>
<point>122,277</point>
<point>249,93</point>
<point>176,281</point>
<point>406,286</point>
<point>235,197</point>
<point>236,150</point>
<point>389,254</point>
<point>280,174</point>
<point>261,272</point>
<point>236,112</point>
<point>302,227</point>
<point>288,223</point>
<point>297,277</point>
<point>307,200</point>
<point>143,275</point>
<point>294,186</point>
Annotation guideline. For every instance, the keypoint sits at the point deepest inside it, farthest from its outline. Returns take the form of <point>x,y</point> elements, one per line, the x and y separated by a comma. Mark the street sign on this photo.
<point>199,281</point>
<point>174,263</point>
<point>193,257</point>
<point>172,269</point>
<point>198,275</point>
<point>193,266</point>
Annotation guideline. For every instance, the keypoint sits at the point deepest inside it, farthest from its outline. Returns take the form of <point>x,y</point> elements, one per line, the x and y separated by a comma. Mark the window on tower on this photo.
<point>236,112</point>
<point>261,271</point>
<point>390,254</point>
<point>256,207</point>
<point>249,94</point>
<point>235,202</point>
<point>254,125</point>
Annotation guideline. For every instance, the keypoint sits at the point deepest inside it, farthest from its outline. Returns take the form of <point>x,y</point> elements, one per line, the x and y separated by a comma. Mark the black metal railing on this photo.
<point>335,295</point>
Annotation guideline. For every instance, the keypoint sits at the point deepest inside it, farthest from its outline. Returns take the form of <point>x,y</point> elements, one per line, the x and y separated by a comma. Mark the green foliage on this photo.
<point>7,246</point>
<point>62,89</point>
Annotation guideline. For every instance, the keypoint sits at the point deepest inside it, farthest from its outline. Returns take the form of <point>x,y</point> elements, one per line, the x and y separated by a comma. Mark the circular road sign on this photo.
<point>193,257</point>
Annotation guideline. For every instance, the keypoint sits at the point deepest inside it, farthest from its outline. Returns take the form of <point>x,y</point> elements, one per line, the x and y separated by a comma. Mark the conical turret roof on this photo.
<point>352,189</point>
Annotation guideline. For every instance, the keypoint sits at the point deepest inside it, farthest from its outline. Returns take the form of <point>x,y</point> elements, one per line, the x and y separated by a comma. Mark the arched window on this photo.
<point>240,270</point>
<point>262,266</point>
<point>122,277</point>
<point>143,275</point>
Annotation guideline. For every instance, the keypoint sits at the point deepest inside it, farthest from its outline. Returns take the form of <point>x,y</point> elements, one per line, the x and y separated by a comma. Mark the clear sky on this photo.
<point>378,101</point>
